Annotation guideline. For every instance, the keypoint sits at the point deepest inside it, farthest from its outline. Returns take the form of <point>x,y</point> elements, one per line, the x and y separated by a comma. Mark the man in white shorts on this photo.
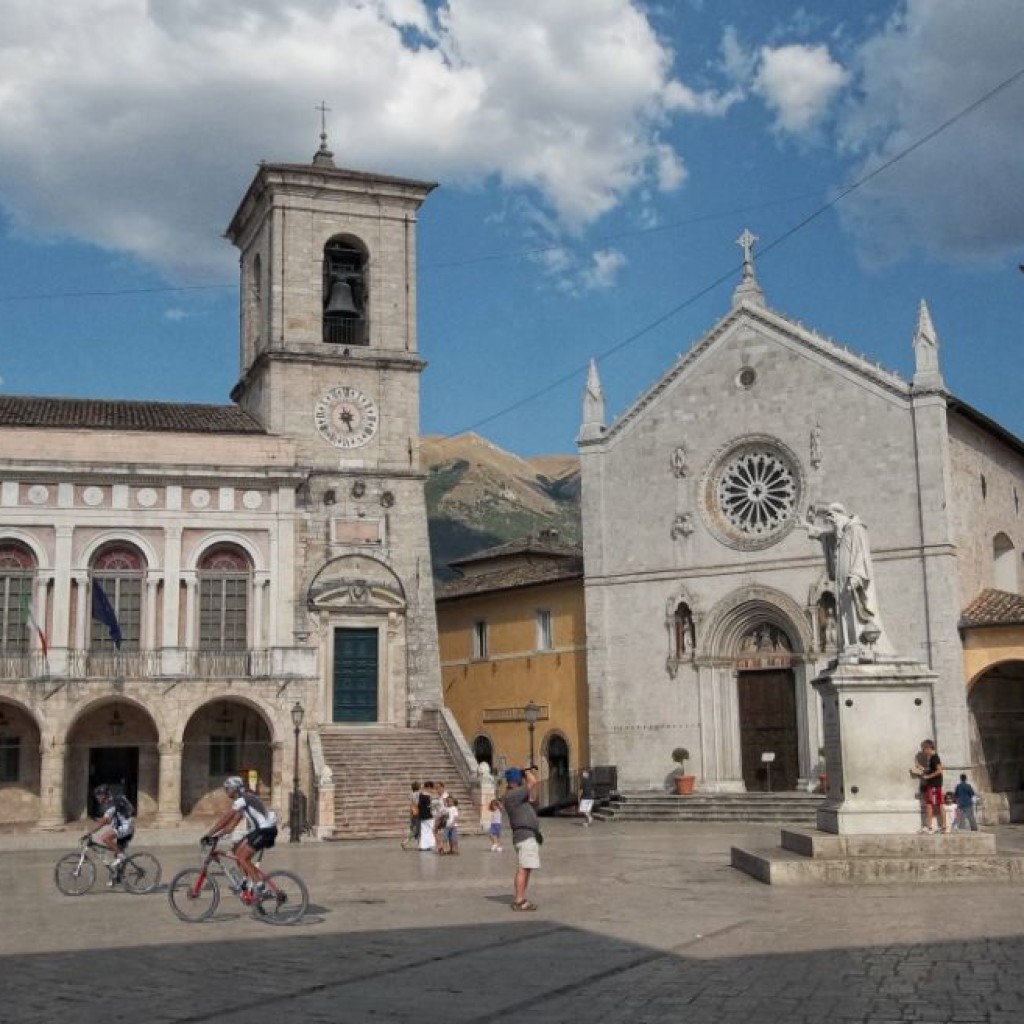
<point>522,816</point>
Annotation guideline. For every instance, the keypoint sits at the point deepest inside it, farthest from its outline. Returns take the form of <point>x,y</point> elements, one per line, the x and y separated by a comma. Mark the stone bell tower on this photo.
<point>329,360</point>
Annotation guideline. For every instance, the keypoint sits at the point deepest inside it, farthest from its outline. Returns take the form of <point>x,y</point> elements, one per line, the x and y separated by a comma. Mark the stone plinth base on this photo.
<point>875,716</point>
<point>811,857</point>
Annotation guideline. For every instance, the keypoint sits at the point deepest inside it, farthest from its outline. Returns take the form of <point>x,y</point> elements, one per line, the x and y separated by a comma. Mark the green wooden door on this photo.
<point>355,675</point>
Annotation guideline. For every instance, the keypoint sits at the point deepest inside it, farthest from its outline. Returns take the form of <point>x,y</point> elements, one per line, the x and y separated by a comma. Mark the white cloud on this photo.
<point>576,275</point>
<point>798,82</point>
<point>604,269</point>
<point>131,123</point>
<point>959,196</point>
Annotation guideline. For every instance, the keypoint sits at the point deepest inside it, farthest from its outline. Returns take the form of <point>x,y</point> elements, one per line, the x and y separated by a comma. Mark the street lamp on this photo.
<point>298,713</point>
<point>531,713</point>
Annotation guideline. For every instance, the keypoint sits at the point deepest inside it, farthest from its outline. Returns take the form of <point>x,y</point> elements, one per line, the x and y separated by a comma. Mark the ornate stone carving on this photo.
<point>680,467</point>
<point>200,498</point>
<point>92,495</point>
<point>146,497</point>
<point>38,494</point>
<point>682,525</point>
<point>252,500</point>
<point>816,446</point>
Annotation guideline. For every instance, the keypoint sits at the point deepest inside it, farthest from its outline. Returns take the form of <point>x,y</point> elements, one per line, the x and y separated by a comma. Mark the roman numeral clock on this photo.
<point>346,417</point>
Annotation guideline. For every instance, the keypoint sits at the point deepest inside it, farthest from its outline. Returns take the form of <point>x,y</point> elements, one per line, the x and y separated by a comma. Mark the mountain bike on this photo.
<point>279,897</point>
<point>75,873</point>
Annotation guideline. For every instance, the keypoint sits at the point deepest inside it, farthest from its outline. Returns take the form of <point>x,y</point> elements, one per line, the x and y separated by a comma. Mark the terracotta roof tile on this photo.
<point>532,544</point>
<point>993,608</point>
<point>510,577</point>
<point>106,414</point>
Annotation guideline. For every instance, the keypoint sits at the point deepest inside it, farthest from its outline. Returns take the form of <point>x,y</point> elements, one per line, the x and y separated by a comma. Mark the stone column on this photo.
<point>172,580</point>
<point>51,784</point>
<point>169,786</point>
<point>62,588</point>
<point>150,642</point>
<point>727,731</point>
<point>259,585</point>
<point>81,641</point>
<point>191,593</point>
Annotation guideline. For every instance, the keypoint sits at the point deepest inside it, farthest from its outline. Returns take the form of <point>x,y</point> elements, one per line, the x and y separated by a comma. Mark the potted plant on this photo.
<point>683,782</point>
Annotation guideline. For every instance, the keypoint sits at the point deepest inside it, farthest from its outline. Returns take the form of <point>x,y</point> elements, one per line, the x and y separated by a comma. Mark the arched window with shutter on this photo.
<point>17,575</point>
<point>118,570</point>
<point>225,575</point>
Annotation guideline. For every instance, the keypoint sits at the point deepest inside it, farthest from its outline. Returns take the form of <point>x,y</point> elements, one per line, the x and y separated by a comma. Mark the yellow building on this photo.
<point>512,635</point>
<point>992,628</point>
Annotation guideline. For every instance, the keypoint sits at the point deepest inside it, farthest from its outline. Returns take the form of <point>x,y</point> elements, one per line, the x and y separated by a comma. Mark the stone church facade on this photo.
<point>709,610</point>
<point>175,579</point>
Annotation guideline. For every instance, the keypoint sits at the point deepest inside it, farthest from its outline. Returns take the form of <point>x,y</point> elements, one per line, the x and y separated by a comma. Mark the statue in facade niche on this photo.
<point>844,539</point>
<point>679,465</point>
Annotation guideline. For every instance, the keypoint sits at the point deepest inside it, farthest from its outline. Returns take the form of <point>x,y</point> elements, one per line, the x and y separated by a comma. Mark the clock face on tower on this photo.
<point>345,417</point>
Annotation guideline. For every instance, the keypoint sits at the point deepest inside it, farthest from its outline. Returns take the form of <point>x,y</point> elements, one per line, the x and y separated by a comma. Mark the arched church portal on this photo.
<point>766,695</point>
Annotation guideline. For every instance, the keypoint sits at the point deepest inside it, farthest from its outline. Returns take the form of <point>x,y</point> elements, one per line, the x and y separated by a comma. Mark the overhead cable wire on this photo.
<point>762,251</point>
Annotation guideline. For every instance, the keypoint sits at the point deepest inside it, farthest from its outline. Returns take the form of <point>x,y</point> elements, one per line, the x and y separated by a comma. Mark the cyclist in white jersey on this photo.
<point>262,824</point>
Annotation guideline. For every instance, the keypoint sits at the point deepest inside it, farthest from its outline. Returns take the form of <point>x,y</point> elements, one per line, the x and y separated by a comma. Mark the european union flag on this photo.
<point>103,610</point>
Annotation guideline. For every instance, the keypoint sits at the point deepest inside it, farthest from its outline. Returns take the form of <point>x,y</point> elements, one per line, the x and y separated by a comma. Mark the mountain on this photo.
<point>479,496</point>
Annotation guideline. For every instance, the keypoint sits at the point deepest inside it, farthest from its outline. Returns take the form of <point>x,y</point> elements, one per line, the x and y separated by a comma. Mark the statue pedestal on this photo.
<point>875,716</point>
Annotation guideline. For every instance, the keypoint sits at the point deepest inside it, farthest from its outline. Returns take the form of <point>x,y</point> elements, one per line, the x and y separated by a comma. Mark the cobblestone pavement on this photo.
<point>638,923</point>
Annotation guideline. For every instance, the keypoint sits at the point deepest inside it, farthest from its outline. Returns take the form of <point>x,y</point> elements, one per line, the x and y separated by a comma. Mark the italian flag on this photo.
<point>30,623</point>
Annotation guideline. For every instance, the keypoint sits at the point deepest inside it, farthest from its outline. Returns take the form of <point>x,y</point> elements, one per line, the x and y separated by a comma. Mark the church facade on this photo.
<point>709,607</point>
<point>191,591</point>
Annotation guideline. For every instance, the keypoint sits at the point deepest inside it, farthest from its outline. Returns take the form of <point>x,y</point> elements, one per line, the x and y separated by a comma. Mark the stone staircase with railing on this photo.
<point>372,770</point>
<point>784,807</point>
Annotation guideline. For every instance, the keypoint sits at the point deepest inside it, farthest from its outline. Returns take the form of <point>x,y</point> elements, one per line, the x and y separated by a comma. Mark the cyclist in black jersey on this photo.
<point>261,821</point>
<point>116,827</point>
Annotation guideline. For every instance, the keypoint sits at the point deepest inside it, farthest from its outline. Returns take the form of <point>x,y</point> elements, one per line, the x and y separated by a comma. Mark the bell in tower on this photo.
<point>344,291</point>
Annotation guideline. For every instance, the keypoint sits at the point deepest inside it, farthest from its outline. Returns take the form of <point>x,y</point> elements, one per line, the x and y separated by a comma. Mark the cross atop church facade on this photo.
<point>746,243</point>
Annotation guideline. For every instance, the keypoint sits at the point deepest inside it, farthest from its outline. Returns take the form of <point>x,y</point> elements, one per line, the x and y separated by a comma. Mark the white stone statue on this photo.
<point>844,539</point>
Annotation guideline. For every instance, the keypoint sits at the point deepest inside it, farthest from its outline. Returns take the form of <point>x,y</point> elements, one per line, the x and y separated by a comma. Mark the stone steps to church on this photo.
<point>797,808</point>
<point>373,769</point>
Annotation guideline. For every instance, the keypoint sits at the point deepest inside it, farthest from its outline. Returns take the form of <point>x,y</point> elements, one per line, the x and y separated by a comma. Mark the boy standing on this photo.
<point>929,770</point>
<point>964,797</point>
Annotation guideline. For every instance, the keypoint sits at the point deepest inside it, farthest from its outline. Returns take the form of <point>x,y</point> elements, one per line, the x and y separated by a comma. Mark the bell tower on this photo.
<point>328,359</point>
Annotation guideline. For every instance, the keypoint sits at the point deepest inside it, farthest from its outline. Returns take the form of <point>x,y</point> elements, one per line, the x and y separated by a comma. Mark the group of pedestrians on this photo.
<point>942,810</point>
<point>433,819</point>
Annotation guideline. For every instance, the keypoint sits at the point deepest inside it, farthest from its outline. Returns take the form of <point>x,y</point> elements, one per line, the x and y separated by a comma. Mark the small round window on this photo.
<point>746,377</point>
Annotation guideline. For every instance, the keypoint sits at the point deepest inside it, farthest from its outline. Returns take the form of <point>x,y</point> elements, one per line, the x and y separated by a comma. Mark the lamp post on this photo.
<point>298,713</point>
<point>531,713</point>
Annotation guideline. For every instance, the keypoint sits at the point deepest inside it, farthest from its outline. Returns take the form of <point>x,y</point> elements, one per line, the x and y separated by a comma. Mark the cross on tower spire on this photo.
<point>323,156</point>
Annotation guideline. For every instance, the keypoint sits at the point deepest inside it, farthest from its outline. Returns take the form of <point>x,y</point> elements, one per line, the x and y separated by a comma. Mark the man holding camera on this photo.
<point>526,837</point>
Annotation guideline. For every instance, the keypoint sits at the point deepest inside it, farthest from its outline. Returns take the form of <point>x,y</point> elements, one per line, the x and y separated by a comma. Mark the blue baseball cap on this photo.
<point>513,775</point>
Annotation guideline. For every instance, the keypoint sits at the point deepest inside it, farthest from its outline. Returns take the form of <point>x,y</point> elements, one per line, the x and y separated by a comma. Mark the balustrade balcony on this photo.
<point>166,663</point>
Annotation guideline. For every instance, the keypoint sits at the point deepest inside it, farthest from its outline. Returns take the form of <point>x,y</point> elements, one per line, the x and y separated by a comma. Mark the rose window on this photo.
<point>751,492</point>
<point>756,492</point>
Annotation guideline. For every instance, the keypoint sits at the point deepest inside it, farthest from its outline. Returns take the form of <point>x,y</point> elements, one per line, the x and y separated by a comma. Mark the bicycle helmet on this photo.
<point>234,784</point>
<point>102,792</point>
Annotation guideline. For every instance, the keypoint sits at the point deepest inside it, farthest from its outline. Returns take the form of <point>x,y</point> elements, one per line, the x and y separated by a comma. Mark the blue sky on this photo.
<point>597,161</point>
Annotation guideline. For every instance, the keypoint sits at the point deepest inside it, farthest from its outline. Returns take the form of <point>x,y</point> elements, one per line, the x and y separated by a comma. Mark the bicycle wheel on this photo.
<point>141,873</point>
<point>285,900</point>
<point>189,899</point>
<point>74,874</point>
